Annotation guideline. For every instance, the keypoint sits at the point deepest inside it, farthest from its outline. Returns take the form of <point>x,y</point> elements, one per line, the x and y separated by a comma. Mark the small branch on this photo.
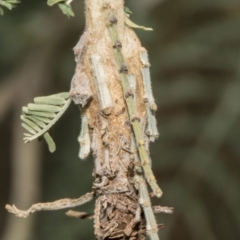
<point>80,215</point>
<point>132,108</point>
<point>102,85</point>
<point>160,209</point>
<point>151,106</point>
<point>84,139</point>
<point>50,206</point>
<point>144,199</point>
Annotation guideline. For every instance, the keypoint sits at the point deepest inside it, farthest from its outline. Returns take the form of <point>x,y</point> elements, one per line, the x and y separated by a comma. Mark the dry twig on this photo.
<point>50,206</point>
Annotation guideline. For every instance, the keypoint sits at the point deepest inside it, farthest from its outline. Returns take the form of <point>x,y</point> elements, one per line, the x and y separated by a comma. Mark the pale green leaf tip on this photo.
<point>9,4</point>
<point>127,10</point>
<point>134,25</point>
<point>66,9</point>
<point>51,144</point>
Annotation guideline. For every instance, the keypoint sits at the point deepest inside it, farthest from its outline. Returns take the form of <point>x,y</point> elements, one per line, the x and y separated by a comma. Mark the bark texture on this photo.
<point>122,205</point>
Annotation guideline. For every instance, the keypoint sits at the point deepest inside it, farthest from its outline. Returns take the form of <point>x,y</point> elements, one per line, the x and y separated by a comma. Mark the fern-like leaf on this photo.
<point>64,5</point>
<point>40,116</point>
<point>9,4</point>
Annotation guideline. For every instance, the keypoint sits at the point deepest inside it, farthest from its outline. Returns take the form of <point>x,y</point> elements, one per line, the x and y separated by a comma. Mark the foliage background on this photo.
<point>195,57</point>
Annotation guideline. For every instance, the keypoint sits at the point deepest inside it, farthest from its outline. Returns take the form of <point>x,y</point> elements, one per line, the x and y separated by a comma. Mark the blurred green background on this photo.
<point>195,56</point>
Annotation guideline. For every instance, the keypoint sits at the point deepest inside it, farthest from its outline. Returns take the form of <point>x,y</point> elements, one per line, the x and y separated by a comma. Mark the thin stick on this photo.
<point>80,215</point>
<point>151,106</point>
<point>160,209</point>
<point>144,199</point>
<point>84,139</point>
<point>145,202</point>
<point>147,80</point>
<point>50,206</point>
<point>132,108</point>
<point>102,85</point>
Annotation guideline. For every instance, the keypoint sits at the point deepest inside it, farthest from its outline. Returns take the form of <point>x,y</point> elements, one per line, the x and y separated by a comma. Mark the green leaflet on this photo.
<point>36,113</point>
<point>51,144</point>
<point>27,134</point>
<point>9,4</point>
<point>42,119</point>
<point>66,9</point>
<point>28,128</point>
<point>31,124</point>
<point>63,5</point>
<point>50,100</point>
<point>12,1</point>
<point>43,108</point>
<point>6,4</point>
<point>64,95</point>
<point>39,117</point>
<point>38,122</point>
<point>52,2</point>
